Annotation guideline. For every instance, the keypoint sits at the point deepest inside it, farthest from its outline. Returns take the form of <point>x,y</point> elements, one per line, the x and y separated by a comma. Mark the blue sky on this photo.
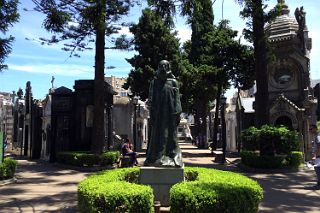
<point>31,61</point>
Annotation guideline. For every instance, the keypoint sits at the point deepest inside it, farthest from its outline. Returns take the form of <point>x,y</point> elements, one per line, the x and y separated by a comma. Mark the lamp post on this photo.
<point>223,126</point>
<point>135,101</point>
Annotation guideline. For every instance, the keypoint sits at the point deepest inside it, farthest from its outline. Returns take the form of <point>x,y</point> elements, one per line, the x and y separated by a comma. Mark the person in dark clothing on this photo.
<point>126,150</point>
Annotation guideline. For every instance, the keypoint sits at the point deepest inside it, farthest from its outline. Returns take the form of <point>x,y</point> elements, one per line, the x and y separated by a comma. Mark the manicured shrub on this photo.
<point>270,140</point>
<point>109,191</point>
<point>252,159</point>
<point>290,143</point>
<point>277,140</point>
<point>191,175</point>
<point>78,158</point>
<point>247,157</point>
<point>295,159</point>
<point>8,168</point>
<point>275,145</point>
<point>268,137</point>
<point>205,190</point>
<point>109,158</point>
<point>85,159</point>
<point>82,158</point>
<point>215,191</point>
<point>249,138</point>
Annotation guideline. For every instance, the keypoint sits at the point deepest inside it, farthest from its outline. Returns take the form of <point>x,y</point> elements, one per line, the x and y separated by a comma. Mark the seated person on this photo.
<point>126,150</point>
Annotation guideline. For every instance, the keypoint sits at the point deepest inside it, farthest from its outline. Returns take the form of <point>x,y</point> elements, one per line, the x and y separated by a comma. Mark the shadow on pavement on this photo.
<point>60,202</point>
<point>284,190</point>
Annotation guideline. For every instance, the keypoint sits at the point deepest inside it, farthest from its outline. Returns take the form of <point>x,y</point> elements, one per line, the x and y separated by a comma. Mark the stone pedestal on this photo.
<point>161,179</point>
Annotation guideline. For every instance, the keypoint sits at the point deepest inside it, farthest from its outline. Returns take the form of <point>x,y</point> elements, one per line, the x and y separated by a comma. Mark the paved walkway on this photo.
<point>44,187</point>
<point>284,191</point>
<point>41,187</point>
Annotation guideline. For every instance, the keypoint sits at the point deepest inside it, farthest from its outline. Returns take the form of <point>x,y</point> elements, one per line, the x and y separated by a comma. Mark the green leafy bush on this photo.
<point>249,138</point>
<point>270,140</point>
<point>8,168</point>
<point>109,191</point>
<point>108,158</point>
<point>252,159</point>
<point>205,190</point>
<point>215,191</point>
<point>247,157</point>
<point>78,158</point>
<point>295,159</point>
<point>268,137</point>
<point>82,158</point>
<point>290,143</point>
<point>276,145</point>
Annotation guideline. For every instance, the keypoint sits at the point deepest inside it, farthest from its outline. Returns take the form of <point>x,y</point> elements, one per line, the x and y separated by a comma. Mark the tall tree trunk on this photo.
<point>261,101</point>
<point>202,122</point>
<point>204,129</point>
<point>99,93</point>
<point>239,122</point>
<point>216,119</point>
<point>197,126</point>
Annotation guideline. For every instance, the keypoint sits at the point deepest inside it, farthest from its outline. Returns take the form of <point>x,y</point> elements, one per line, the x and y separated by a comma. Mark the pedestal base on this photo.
<point>161,179</point>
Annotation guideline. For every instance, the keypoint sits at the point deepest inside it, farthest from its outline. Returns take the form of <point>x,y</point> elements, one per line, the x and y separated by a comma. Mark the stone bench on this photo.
<point>126,161</point>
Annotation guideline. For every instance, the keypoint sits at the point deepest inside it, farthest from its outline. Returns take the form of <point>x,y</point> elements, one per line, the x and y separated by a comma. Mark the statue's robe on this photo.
<point>165,109</point>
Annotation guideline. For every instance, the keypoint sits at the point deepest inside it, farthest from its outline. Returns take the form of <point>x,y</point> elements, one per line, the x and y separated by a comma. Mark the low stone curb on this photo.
<point>248,169</point>
<point>8,181</point>
<point>85,169</point>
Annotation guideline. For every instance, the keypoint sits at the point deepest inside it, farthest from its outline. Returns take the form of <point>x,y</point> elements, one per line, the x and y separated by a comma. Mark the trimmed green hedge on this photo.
<point>8,168</point>
<point>250,138</point>
<point>205,190</point>
<point>109,158</point>
<point>215,191</point>
<point>278,148</point>
<point>295,159</point>
<point>270,140</point>
<point>252,159</point>
<point>111,191</point>
<point>83,158</point>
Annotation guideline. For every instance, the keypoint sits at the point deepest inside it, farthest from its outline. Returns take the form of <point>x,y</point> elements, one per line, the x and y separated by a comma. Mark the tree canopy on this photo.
<point>75,22</point>
<point>79,23</point>
<point>212,59</point>
<point>254,12</point>
<point>8,16</point>
<point>154,42</point>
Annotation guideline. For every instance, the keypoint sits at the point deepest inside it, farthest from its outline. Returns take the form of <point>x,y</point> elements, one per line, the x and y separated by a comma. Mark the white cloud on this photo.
<point>53,69</point>
<point>42,58</point>
<point>118,71</point>
<point>71,70</point>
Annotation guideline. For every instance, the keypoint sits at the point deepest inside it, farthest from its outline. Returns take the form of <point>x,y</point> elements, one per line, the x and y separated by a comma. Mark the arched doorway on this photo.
<point>285,121</point>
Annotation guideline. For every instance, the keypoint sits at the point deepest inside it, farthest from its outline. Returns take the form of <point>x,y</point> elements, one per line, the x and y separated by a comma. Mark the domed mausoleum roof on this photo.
<point>284,27</point>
